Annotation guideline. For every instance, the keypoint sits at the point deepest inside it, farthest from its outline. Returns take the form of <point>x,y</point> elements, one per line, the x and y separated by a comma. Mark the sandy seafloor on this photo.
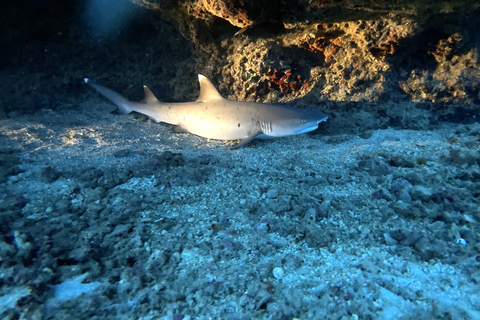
<point>117,217</point>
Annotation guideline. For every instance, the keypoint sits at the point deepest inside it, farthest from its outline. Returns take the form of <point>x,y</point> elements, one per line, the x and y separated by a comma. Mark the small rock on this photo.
<point>400,161</point>
<point>237,13</point>
<point>23,246</point>
<point>6,250</point>
<point>462,157</point>
<point>278,272</point>
<point>272,193</point>
<point>382,194</point>
<point>168,159</point>
<point>389,240</point>
<point>421,193</point>
<point>49,175</point>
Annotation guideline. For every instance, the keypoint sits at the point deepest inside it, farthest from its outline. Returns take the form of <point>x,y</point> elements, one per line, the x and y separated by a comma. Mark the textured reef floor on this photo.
<point>165,224</point>
<point>375,215</point>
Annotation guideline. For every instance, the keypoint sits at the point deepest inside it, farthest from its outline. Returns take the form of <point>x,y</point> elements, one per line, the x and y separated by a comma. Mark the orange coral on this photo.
<point>282,81</point>
<point>320,44</point>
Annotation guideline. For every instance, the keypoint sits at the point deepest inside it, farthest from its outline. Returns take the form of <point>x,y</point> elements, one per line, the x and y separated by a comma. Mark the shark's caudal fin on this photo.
<point>124,105</point>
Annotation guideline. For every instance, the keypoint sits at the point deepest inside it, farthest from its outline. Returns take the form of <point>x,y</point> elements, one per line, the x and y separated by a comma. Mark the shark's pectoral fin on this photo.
<point>252,136</point>
<point>117,112</point>
<point>180,129</point>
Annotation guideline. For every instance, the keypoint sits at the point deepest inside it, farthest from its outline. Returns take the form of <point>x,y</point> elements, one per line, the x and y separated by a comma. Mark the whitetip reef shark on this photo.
<point>214,117</point>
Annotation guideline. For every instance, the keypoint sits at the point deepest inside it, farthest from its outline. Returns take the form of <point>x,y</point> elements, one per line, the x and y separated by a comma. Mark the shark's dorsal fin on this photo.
<point>207,90</point>
<point>149,96</point>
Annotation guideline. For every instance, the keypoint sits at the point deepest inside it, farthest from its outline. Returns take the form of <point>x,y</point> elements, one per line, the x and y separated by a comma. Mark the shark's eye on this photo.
<point>304,121</point>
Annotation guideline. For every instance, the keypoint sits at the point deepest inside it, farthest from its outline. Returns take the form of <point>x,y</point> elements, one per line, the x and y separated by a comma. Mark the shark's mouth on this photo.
<point>311,126</point>
<point>308,129</point>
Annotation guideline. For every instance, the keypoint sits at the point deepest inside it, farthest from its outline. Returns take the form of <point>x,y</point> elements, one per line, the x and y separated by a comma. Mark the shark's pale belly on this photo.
<point>214,121</point>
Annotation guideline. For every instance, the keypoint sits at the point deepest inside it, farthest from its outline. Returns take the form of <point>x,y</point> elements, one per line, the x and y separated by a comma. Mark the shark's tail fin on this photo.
<point>124,105</point>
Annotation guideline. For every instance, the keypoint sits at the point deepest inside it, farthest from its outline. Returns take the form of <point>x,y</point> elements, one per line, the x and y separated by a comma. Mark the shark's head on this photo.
<point>295,122</point>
